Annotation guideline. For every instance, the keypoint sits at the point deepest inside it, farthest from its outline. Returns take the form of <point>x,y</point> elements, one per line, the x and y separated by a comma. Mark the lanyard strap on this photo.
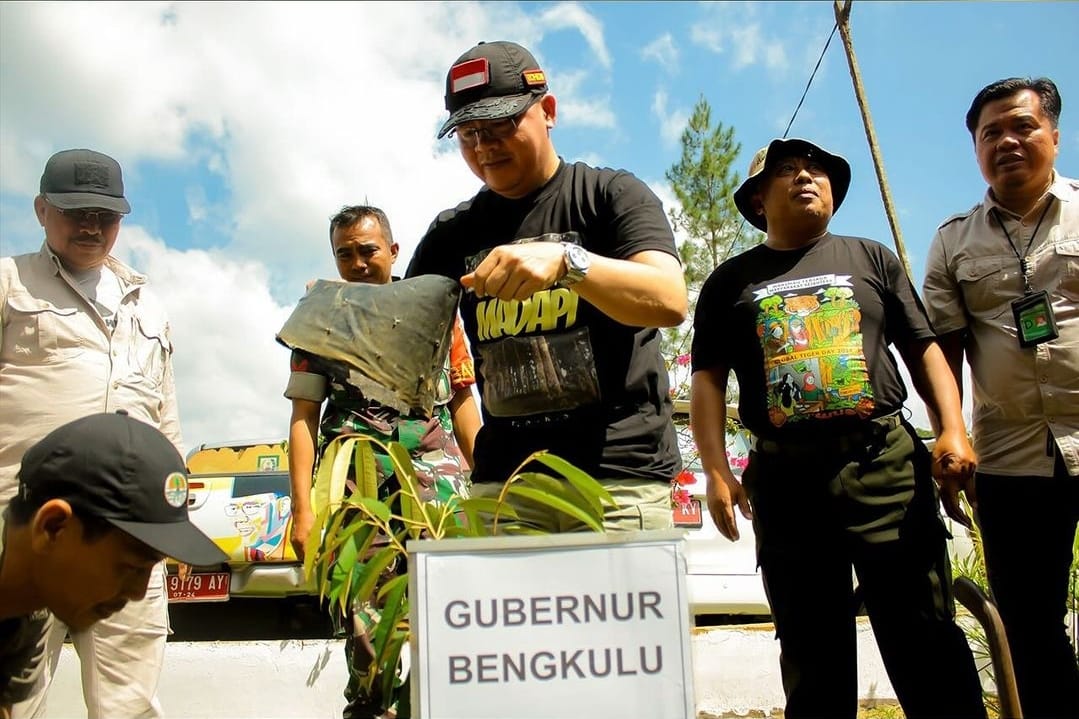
<point>1024,266</point>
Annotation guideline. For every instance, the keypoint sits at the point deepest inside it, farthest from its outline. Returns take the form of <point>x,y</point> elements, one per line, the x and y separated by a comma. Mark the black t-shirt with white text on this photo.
<point>554,372</point>
<point>807,331</point>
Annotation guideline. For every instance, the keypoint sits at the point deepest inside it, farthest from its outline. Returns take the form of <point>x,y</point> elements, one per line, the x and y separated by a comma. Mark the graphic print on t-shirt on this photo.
<point>810,332</point>
<point>535,359</point>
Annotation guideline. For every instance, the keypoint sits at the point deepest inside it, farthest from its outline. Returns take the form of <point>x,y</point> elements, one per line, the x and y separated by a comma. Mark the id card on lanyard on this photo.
<point>1034,320</point>
<point>1033,313</point>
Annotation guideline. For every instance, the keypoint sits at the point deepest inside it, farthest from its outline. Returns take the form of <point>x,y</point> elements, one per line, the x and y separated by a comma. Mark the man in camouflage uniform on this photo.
<point>440,445</point>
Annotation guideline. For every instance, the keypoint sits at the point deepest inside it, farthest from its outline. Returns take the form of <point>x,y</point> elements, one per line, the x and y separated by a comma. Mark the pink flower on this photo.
<point>682,360</point>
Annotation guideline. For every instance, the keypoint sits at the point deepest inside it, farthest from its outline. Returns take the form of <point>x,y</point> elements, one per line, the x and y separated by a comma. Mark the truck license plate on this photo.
<point>203,587</point>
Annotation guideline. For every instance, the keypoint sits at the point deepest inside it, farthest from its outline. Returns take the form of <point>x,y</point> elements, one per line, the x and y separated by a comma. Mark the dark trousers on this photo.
<point>1028,531</point>
<point>824,509</point>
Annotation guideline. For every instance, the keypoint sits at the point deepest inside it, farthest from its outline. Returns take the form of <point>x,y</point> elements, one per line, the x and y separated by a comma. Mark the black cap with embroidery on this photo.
<point>78,179</point>
<point>123,471</point>
<point>492,81</point>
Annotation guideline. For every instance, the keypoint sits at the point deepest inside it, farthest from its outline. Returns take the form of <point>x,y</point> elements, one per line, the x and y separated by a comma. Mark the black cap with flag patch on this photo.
<point>123,471</point>
<point>492,81</point>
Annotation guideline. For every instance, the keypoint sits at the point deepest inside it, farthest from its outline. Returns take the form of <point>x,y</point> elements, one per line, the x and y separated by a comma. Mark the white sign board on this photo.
<point>551,627</point>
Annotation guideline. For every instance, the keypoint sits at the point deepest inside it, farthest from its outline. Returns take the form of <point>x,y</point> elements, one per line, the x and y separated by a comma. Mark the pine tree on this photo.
<point>704,181</point>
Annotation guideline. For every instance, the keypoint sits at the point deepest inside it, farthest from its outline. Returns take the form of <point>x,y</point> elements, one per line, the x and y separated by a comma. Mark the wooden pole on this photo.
<point>842,18</point>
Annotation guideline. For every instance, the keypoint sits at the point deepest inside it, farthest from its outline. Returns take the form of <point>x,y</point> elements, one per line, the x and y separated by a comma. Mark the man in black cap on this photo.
<point>101,501</point>
<point>81,333</point>
<point>837,478</point>
<point>569,271</point>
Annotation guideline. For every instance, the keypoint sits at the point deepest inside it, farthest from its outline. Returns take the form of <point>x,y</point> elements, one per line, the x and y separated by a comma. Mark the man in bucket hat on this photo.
<point>81,333</point>
<point>101,501</point>
<point>841,481</point>
<point>569,271</point>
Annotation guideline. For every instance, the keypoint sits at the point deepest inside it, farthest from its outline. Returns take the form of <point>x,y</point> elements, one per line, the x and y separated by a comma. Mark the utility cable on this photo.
<point>800,101</point>
<point>813,75</point>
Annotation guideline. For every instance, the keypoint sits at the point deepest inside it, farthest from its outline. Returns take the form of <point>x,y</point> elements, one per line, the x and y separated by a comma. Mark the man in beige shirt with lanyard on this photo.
<point>80,334</point>
<point>1002,286</point>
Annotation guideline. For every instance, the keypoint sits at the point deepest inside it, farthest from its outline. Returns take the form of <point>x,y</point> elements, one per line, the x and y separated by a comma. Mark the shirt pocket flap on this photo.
<point>31,305</point>
<point>1068,248</point>
<point>978,269</point>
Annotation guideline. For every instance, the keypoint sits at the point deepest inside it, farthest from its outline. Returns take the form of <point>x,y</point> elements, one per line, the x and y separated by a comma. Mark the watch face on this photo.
<point>578,256</point>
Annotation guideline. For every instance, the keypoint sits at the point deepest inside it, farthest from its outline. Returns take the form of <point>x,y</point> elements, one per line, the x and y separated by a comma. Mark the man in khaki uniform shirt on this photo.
<point>81,334</point>
<point>1002,285</point>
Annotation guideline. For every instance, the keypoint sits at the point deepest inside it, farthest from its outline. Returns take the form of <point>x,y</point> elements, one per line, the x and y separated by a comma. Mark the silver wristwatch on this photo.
<point>577,263</point>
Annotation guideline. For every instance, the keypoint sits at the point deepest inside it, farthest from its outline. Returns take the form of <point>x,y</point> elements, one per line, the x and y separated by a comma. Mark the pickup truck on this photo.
<point>239,496</point>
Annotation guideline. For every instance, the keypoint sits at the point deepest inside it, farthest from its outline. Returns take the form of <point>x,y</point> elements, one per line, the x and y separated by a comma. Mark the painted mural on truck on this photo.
<point>239,496</point>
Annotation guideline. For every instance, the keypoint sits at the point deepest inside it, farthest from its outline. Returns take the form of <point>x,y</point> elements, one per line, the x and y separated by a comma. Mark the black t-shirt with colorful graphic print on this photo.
<point>807,331</point>
<point>554,372</point>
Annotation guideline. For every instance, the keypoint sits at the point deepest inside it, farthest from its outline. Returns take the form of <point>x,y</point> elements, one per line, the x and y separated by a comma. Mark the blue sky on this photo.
<point>242,127</point>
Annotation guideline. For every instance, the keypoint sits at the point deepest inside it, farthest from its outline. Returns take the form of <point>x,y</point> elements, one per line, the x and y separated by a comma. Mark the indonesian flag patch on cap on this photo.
<point>467,75</point>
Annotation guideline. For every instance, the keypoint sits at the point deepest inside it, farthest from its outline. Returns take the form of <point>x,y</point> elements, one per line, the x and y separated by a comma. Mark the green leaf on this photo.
<point>544,482</point>
<point>366,469</point>
<point>320,492</point>
<point>329,536</point>
<point>558,504</point>
<point>335,482</point>
<point>389,678</point>
<point>371,506</point>
<point>488,505</point>
<point>583,482</point>
<point>394,606</point>
<point>372,571</point>
<point>517,528</point>
<point>311,545</point>
<point>344,563</point>
<point>356,526</point>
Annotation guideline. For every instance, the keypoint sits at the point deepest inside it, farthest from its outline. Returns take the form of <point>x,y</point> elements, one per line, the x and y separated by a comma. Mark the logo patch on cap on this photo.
<point>93,174</point>
<point>470,74</point>
<point>535,77</point>
<point>176,489</point>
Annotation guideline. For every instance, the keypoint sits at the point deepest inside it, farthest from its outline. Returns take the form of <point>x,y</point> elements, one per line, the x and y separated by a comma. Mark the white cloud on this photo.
<point>573,15</point>
<point>589,158</point>
<point>775,57</point>
<point>230,372</point>
<point>663,51</point>
<point>663,191</point>
<point>197,205</point>
<point>671,122</point>
<point>575,109</point>
<point>735,30</point>
<point>707,36</point>
<point>297,108</point>
<point>587,113</point>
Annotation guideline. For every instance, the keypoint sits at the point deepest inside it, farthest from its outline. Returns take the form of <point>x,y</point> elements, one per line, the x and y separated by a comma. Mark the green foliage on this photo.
<point>704,181</point>
<point>358,546</point>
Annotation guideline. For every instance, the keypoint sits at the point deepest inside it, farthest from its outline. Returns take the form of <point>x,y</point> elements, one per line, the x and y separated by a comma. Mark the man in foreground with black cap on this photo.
<point>81,333</point>
<point>837,478</point>
<point>569,271</point>
<point>101,501</point>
